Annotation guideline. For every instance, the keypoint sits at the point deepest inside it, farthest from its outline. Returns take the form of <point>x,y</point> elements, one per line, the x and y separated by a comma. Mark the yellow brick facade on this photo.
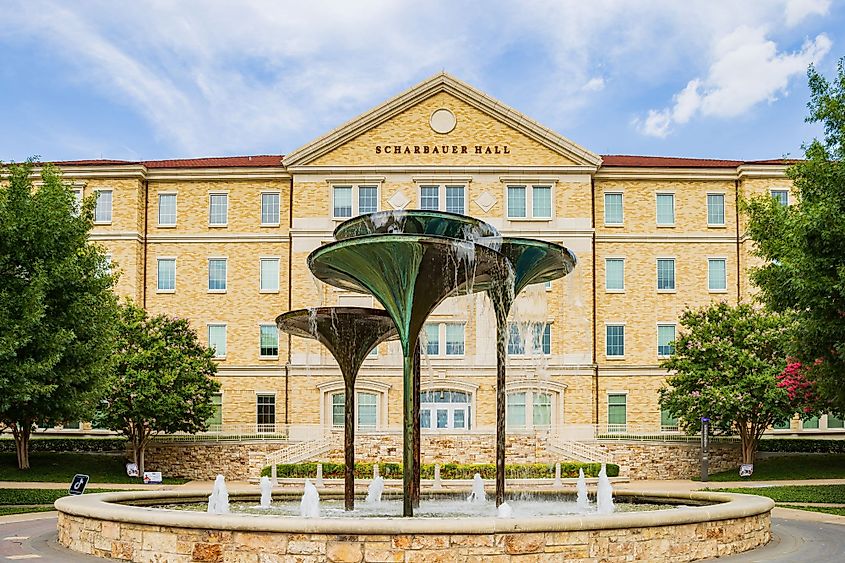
<point>392,149</point>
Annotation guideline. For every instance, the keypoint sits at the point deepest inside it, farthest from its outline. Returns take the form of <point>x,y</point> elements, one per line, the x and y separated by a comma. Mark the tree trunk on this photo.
<point>22,434</point>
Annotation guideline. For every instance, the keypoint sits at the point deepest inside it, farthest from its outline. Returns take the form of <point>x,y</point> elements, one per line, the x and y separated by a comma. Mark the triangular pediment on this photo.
<point>403,130</point>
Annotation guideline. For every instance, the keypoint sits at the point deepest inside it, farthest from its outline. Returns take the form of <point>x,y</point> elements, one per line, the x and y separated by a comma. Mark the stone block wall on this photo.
<point>656,460</point>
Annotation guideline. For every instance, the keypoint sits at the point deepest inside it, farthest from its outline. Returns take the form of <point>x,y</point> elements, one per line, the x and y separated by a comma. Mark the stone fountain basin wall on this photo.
<point>96,524</point>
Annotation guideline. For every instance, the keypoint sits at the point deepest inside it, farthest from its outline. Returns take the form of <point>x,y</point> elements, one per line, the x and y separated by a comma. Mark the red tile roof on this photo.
<point>218,162</point>
<point>666,162</point>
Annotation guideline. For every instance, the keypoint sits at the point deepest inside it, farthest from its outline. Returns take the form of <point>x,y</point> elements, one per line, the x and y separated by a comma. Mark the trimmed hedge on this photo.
<point>804,445</point>
<point>364,470</point>
<point>68,445</point>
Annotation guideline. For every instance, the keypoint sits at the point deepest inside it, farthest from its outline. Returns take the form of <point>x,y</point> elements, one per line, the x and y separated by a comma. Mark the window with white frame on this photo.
<point>528,409</point>
<point>668,421</point>
<point>529,338</point>
<point>782,196</point>
<point>265,412</point>
<point>217,339</point>
<point>614,274</point>
<point>366,409</point>
<point>613,211</point>
<point>454,339</point>
<point>833,422</point>
<point>537,198</point>
<point>717,274</point>
<point>665,274</point>
<point>665,212</point>
<point>452,334</point>
<point>166,210</point>
<point>665,340</point>
<point>166,274</point>
<point>614,341</point>
<point>443,197</point>
<point>270,209</point>
<point>268,341</point>
<point>715,210</point>
<point>77,201</point>
<point>432,339</point>
<point>445,409</point>
<point>218,209</point>
<point>217,274</point>
<point>215,421</point>
<point>103,208</point>
<point>617,412</point>
<point>108,264</point>
<point>269,275</point>
<point>352,200</point>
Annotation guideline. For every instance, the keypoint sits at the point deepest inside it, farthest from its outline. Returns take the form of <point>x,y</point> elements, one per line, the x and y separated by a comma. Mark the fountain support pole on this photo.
<point>417,431</point>
<point>407,433</point>
<point>349,442</point>
<point>501,350</point>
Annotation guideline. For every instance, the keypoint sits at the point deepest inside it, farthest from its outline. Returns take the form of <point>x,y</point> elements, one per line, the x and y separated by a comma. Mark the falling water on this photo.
<point>218,500</point>
<point>604,498</point>
<point>375,490</point>
<point>558,483</point>
<point>504,511</point>
<point>309,507</point>
<point>438,484</point>
<point>477,494</point>
<point>266,492</point>
<point>581,500</point>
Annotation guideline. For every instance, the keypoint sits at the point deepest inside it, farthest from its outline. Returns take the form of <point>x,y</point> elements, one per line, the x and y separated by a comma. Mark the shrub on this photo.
<point>69,445</point>
<point>364,470</point>
<point>804,445</point>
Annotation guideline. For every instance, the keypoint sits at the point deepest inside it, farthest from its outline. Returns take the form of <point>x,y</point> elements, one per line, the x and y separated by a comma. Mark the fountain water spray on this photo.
<point>309,507</point>
<point>477,494</point>
<point>218,500</point>
<point>438,484</point>
<point>604,498</point>
<point>558,483</point>
<point>266,492</point>
<point>319,480</point>
<point>375,490</point>
<point>581,500</point>
<point>504,511</point>
<point>375,471</point>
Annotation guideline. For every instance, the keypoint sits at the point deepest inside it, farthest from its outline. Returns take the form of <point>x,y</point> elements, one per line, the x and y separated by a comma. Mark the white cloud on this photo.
<point>594,85</point>
<point>747,69</point>
<point>798,10</point>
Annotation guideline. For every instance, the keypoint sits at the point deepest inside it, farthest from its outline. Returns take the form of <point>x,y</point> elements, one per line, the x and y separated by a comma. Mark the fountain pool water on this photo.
<point>218,500</point>
<point>504,511</point>
<point>309,506</point>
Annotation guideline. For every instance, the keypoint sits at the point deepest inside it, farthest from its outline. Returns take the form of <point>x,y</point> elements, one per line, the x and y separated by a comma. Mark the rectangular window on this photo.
<point>268,341</point>
<point>367,199</point>
<point>613,209</point>
<point>614,274</point>
<point>338,409</point>
<point>77,202</point>
<point>215,421</point>
<point>516,202</point>
<point>167,210</point>
<point>432,336</point>
<point>342,202</point>
<point>265,406</point>
<point>516,345</point>
<point>782,196</point>
<point>811,423</point>
<point>217,340</point>
<point>542,412</point>
<point>668,423</point>
<point>666,274</point>
<point>615,340</point>
<point>715,209</point>
<point>430,198</point>
<point>666,209</point>
<point>541,202</point>
<point>217,274</point>
<point>515,412</point>
<point>166,279</point>
<point>543,338</point>
<point>218,209</point>
<point>834,422</point>
<point>717,274</point>
<point>665,337</point>
<point>454,339</point>
<point>102,210</point>
<point>617,412</point>
<point>270,209</point>
<point>269,275</point>
<point>367,410</point>
<point>782,424</point>
<point>455,199</point>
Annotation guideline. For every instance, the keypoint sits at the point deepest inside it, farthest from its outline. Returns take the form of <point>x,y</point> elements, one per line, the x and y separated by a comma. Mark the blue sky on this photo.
<point>159,79</point>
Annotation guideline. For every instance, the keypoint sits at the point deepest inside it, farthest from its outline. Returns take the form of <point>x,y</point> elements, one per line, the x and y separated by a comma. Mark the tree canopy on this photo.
<point>57,310</point>
<point>726,365</point>
<point>162,380</point>
<point>803,244</point>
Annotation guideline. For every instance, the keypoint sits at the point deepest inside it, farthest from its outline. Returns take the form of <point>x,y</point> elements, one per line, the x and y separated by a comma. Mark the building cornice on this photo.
<point>635,237</point>
<point>237,173</point>
<point>762,171</point>
<point>638,173</point>
<point>432,169</point>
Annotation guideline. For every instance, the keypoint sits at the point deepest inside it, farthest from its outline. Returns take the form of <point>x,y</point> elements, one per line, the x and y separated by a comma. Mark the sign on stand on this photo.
<point>77,486</point>
<point>131,469</point>
<point>746,469</point>
<point>705,448</point>
<point>152,477</point>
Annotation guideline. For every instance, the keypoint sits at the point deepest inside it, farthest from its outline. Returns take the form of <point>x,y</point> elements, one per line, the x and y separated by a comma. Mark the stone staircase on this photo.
<point>588,452</point>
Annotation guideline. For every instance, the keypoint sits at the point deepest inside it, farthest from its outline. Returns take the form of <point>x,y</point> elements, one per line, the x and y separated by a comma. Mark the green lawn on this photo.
<point>21,501</point>
<point>824,509</point>
<point>795,493</point>
<point>6,510</point>
<point>811,466</point>
<point>60,467</point>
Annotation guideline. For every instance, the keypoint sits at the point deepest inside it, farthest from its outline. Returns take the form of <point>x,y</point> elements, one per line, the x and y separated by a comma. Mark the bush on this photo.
<point>36,496</point>
<point>803,445</point>
<point>364,470</point>
<point>68,445</point>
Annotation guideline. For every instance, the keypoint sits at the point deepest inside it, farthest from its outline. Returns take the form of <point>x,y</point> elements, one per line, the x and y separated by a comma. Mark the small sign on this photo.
<point>746,469</point>
<point>77,486</point>
<point>152,477</point>
<point>132,469</point>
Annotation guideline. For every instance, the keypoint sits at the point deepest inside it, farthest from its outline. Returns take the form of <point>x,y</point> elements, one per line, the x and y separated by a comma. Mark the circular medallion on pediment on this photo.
<point>443,121</point>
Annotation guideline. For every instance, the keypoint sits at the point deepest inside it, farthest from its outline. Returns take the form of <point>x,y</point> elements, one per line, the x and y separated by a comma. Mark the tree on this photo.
<point>727,361</point>
<point>57,309</point>
<point>803,244</point>
<point>162,380</point>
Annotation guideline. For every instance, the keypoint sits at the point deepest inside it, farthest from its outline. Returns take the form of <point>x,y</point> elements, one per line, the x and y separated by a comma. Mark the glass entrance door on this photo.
<point>444,410</point>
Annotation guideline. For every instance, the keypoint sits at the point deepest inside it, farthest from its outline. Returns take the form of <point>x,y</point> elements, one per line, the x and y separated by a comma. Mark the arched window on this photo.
<point>530,406</point>
<point>370,404</point>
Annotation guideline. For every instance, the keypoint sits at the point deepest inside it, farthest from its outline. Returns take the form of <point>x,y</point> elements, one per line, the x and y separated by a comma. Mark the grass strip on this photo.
<point>837,511</point>
<point>60,467</point>
<point>7,510</point>
<point>794,493</point>
<point>797,467</point>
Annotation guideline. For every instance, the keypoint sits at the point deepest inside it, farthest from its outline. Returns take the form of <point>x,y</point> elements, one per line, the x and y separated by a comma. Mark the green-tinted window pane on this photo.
<point>667,421</point>
<point>666,274</point>
<point>834,422</point>
<point>366,410</point>
<point>166,274</point>
<point>782,424</point>
<point>542,413</point>
<point>665,336</point>
<point>454,339</point>
<point>269,340</point>
<point>614,274</point>
<point>516,410</point>
<point>516,201</point>
<point>269,274</point>
<point>338,408</point>
<point>216,418</point>
<point>430,198</point>
<point>715,209</point>
<point>217,339</point>
<point>665,209</point>
<point>432,335</point>
<point>782,196</point>
<point>617,406</point>
<point>716,275</point>
<point>613,209</point>
<point>342,201</point>
<point>810,423</point>
<point>542,202</point>
<point>615,341</point>
<point>71,425</point>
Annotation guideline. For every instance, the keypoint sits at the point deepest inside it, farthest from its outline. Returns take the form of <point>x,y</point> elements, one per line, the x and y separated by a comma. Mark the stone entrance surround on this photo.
<point>97,525</point>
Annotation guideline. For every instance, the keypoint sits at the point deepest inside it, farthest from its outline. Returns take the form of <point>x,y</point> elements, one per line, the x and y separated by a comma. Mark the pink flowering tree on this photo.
<point>801,388</point>
<point>726,366</point>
